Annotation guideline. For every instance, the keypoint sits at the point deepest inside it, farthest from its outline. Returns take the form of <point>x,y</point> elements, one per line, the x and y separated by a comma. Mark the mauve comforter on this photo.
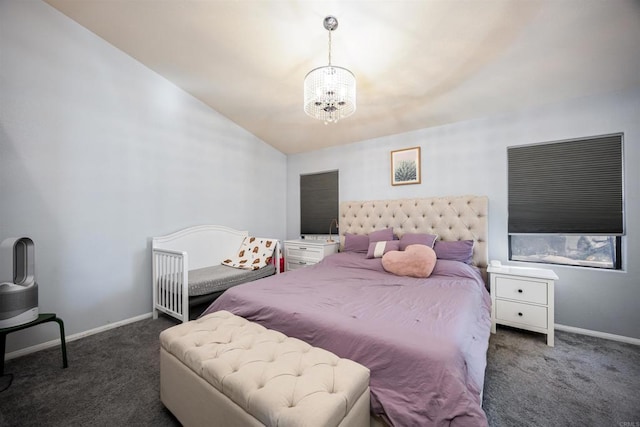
<point>424,340</point>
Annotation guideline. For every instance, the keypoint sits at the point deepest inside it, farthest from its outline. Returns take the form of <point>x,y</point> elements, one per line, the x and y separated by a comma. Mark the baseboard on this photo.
<point>69,338</point>
<point>597,334</point>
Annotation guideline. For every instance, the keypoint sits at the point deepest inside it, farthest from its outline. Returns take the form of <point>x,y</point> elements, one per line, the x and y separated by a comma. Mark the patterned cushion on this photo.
<point>254,253</point>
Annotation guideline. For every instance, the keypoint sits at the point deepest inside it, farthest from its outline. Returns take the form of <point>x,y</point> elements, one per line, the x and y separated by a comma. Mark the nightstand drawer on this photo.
<point>296,264</point>
<point>525,290</point>
<point>304,253</point>
<point>525,314</point>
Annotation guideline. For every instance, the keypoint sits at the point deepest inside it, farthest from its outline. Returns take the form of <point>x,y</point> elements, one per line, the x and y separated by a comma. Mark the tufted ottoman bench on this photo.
<point>223,370</point>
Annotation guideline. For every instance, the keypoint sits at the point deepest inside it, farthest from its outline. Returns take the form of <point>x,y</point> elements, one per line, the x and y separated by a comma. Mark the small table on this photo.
<point>42,318</point>
<point>304,252</point>
<point>523,297</point>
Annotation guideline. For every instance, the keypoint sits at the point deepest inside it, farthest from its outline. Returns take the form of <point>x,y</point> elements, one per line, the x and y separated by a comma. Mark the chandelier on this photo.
<point>330,91</point>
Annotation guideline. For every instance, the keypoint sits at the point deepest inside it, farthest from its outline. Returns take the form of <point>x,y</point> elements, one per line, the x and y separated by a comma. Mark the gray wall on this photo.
<point>98,154</point>
<point>470,158</point>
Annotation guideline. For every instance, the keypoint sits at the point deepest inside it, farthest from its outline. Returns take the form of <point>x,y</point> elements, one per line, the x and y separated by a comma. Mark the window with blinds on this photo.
<point>318,202</point>
<point>566,201</point>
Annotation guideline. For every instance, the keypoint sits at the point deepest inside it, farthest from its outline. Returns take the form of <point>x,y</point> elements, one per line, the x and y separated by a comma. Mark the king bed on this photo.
<point>424,339</point>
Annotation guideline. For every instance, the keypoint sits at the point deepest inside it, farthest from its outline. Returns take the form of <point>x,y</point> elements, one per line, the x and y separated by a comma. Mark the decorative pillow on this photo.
<point>356,243</point>
<point>414,261</point>
<point>254,253</point>
<point>377,249</point>
<point>417,239</point>
<point>462,250</point>
<point>381,235</point>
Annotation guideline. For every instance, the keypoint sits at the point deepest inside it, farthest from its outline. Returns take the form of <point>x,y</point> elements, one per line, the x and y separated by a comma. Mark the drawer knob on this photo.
<point>520,314</point>
<point>302,248</point>
<point>519,291</point>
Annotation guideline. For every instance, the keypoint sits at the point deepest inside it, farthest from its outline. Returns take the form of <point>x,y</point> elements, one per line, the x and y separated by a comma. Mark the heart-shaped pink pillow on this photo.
<point>414,261</point>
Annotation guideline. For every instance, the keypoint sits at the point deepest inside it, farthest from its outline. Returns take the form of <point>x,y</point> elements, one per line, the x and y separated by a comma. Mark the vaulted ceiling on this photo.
<point>417,63</point>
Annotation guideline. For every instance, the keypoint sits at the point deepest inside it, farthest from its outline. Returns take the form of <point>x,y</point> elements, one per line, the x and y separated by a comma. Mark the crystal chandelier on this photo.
<point>330,91</point>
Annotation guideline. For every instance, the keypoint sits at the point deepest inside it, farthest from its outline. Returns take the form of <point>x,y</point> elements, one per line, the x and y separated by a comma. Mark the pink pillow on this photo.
<point>414,261</point>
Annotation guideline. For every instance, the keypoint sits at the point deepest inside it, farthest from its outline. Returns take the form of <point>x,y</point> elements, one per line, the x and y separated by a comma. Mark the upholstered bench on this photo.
<point>223,370</point>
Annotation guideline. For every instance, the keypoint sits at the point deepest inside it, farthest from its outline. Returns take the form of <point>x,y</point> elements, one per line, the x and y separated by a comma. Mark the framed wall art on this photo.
<point>405,166</point>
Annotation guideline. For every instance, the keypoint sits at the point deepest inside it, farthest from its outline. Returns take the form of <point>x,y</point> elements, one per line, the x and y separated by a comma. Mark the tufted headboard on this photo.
<point>451,218</point>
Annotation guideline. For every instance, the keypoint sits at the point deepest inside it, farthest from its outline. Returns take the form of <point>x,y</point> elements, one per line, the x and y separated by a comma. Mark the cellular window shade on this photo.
<point>568,187</point>
<point>318,202</point>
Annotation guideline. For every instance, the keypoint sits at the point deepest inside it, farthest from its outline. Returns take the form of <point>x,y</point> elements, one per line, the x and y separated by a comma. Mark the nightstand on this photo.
<point>303,252</point>
<point>523,297</point>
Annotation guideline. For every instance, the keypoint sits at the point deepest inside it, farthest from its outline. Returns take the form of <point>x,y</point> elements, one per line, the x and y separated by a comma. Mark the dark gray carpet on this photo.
<point>113,380</point>
<point>582,381</point>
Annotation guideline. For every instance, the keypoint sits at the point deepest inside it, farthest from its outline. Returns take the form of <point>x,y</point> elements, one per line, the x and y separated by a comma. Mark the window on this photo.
<point>584,251</point>
<point>318,202</point>
<point>566,202</point>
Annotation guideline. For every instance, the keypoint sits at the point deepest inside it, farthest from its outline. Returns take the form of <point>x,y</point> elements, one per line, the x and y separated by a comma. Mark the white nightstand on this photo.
<point>303,252</point>
<point>523,297</point>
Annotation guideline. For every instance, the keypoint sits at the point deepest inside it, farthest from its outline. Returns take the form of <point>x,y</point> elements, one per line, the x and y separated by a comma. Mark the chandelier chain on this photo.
<point>329,47</point>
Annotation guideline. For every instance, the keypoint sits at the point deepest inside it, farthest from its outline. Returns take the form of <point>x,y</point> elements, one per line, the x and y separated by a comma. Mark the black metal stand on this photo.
<point>42,318</point>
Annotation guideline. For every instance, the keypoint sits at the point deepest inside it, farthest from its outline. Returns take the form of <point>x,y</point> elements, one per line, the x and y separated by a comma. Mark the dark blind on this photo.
<point>318,202</point>
<point>568,187</point>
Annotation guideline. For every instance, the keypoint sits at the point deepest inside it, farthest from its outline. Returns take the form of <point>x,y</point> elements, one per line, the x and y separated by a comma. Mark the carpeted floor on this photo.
<point>113,380</point>
<point>582,381</point>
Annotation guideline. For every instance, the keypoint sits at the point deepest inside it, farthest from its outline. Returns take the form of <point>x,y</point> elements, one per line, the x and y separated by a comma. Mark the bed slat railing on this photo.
<point>170,293</point>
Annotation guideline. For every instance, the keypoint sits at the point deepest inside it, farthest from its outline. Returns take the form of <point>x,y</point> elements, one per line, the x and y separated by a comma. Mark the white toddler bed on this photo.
<point>187,267</point>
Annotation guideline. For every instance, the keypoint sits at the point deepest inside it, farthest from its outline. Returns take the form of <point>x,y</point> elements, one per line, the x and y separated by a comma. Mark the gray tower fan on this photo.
<point>18,287</point>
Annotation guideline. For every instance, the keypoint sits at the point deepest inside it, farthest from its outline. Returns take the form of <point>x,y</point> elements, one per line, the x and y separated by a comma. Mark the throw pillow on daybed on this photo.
<point>414,261</point>
<point>254,253</point>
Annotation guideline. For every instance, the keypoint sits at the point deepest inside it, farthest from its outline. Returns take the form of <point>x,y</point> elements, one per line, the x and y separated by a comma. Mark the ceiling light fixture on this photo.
<point>330,91</point>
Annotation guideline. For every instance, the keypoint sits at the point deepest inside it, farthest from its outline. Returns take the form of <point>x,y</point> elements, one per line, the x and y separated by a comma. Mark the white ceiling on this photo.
<point>417,63</point>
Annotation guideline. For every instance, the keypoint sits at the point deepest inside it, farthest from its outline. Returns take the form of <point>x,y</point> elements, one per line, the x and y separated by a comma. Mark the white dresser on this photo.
<point>523,297</point>
<point>303,252</point>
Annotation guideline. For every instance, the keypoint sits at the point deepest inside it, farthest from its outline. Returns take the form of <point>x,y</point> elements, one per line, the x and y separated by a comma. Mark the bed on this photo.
<point>424,340</point>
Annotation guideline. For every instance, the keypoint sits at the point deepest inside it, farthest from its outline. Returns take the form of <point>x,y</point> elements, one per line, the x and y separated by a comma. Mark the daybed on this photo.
<point>187,267</point>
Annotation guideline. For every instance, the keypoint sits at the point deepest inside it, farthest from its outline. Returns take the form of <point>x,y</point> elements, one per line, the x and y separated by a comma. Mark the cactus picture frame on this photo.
<point>405,166</point>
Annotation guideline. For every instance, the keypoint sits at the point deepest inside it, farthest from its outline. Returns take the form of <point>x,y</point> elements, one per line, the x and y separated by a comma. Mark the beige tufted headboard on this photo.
<point>451,218</point>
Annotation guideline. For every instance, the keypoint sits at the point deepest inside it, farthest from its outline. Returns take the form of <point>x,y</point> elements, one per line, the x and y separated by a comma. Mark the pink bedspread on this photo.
<point>424,340</point>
